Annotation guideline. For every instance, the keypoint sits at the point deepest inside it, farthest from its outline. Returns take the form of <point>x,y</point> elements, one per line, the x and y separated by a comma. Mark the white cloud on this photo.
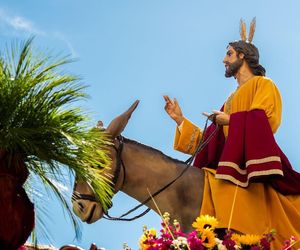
<point>18,23</point>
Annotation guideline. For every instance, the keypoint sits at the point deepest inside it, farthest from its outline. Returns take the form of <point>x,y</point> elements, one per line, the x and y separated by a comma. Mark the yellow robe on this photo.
<point>257,208</point>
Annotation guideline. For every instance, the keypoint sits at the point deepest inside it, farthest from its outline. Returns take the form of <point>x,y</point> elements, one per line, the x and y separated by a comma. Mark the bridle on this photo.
<point>120,165</point>
<point>116,174</point>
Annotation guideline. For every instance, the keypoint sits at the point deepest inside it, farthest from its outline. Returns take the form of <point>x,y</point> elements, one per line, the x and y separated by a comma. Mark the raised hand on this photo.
<point>173,110</point>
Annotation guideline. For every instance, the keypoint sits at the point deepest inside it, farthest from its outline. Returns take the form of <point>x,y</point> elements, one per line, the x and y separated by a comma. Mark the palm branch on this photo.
<point>41,122</point>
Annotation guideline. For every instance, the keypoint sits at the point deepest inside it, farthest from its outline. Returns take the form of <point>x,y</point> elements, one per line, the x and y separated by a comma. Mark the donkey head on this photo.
<point>85,204</point>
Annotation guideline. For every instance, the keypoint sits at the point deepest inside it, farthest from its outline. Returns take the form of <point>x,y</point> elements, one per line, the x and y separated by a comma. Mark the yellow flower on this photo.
<point>148,234</point>
<point>205,221</point>
<point>143,246</point>
<point>247,239</point>
<point>208,238</point>
<point>152,233</point>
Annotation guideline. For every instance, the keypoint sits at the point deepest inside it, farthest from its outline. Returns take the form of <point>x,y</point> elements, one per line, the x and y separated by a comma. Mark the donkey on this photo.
<point>144,169</point>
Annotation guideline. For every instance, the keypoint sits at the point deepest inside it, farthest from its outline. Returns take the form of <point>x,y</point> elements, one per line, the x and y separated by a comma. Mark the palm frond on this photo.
<point>41,120</point>
<point>252,29</point>
<point>243,32</point>
<point>41,201</point>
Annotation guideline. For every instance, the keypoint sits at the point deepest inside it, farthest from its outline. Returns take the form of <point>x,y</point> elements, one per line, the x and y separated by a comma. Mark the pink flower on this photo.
<point>194,242</point>
<point>265,244</point>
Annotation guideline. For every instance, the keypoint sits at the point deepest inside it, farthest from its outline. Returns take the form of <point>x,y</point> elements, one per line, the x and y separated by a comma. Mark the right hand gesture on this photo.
<point>173,109</point>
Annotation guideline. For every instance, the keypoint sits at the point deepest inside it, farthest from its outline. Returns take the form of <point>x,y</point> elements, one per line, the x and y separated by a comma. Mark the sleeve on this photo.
<point>187,138</point>
<point>267,97</point>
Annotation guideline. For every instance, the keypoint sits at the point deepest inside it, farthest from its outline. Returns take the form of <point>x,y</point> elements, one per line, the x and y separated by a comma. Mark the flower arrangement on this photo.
<point>203,237</point>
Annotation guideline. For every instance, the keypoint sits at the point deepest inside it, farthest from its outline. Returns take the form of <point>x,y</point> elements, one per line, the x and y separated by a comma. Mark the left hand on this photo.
<point>221,117</point>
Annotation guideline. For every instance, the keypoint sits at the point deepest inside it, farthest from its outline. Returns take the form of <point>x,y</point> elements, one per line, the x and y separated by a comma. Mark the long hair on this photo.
<point>251,56</point>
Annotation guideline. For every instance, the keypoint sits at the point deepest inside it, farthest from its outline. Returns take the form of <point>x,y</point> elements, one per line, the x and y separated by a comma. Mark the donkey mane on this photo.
<point>153,150</point>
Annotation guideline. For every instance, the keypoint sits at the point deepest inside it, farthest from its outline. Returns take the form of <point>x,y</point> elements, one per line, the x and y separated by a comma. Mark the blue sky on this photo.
<point>130,49</point>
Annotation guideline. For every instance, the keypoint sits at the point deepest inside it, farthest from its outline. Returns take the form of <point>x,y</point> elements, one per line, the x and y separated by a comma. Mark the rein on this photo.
<point>120,163</point>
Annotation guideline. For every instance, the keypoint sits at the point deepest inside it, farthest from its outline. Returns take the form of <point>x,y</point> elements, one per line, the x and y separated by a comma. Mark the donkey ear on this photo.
<point>118,124</point>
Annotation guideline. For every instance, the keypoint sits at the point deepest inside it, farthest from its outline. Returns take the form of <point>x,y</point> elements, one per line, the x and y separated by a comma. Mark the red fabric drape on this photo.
<point>249,153</point>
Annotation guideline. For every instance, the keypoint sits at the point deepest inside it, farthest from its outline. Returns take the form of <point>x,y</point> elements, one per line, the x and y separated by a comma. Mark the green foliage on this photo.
<point>39,119</point>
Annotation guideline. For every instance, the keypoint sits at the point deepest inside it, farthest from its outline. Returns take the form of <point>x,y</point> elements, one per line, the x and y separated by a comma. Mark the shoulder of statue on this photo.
<point>265,81</point>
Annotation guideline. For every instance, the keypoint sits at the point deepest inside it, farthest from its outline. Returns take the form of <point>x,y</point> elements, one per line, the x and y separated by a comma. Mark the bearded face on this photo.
<point>231,69</point>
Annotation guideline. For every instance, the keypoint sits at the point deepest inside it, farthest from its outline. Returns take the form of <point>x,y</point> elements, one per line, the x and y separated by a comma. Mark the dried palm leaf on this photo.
<point>243,31</point>
<point>252,30</point>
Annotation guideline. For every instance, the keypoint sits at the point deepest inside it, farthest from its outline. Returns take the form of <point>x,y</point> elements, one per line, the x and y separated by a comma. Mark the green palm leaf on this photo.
<point>40,121</point>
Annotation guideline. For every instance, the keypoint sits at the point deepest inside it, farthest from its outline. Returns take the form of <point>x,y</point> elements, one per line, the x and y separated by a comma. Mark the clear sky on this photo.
<point>133,49</point>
